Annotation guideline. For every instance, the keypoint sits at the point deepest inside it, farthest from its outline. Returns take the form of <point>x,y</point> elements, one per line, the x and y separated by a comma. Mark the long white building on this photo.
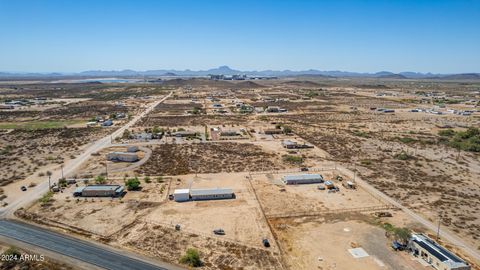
<point>302,179</point>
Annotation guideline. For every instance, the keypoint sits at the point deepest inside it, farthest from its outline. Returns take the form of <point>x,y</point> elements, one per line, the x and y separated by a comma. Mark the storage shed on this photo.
<point>181,195</point>
<point>211,194</point>
<point>302,179</point>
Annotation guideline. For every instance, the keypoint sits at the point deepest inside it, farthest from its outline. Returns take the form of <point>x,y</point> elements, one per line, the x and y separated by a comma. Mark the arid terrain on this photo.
<point>409,139</point>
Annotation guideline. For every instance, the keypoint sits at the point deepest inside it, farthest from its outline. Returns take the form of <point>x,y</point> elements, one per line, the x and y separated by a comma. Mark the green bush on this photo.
<point>100,180</point>
<point>132,183</point>
<point>147,179</point>
<point>468,140</point>
<point>47,197</point>
<point>293,159</point>
<point>403,156</point>
<point>191,258</point>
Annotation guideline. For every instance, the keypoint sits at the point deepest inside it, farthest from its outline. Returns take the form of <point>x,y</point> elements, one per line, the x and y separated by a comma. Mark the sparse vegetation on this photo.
<point>191,258</point>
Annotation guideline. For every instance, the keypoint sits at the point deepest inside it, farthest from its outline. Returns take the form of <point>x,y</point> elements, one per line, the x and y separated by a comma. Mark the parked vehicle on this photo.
<point>23,188</point>
<point>398,246</point>
<point>383,214</point>
<point>304,169</point>
<point>219,232</point>
<point>177,227</point>
<point>265,242</point>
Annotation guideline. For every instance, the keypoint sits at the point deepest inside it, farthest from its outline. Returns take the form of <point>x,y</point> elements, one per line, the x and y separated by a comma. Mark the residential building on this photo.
<point>434,254</point>
<point>302,179</point>
<point>122,156</point>
<point>99,191</point>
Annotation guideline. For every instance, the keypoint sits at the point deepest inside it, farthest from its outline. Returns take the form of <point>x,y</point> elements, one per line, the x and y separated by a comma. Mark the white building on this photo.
<point>302,179</point>
<point>181,195</point>
<point>434,254</point>
<point>211,194</point>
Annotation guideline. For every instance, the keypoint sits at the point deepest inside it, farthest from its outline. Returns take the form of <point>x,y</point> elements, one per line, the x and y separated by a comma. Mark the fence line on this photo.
<point>333,211</point>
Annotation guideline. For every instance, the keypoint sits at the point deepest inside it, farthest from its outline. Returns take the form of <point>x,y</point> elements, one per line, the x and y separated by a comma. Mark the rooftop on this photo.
<point>102,187</point>
<point>210,191</point>
<point>438,251</point>
<point>302,177</point>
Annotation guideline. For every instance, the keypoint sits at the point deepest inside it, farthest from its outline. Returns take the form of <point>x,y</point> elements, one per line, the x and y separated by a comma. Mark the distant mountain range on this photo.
<point>225,70</point>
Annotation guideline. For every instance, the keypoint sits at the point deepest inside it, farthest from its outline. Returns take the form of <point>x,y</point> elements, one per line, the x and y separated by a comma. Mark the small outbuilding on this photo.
<point>302,179</point>
<point>181,195</point>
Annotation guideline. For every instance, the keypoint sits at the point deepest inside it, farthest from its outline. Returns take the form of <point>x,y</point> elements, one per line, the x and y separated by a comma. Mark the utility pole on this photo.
<point>439,222</point>
<point>106,169</point>
<point>49,173</point>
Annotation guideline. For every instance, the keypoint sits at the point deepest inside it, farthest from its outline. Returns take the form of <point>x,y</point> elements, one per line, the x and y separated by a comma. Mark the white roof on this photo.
<point>181,191</point>
<point>211,191</point>
<point>302,177</point>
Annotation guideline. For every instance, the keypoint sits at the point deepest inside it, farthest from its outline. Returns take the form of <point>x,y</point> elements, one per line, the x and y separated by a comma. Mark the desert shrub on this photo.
<point>46,197</point>
<point>147,179</point>
<point>403,156</point>
<point>191,258</point>
<point>293,159</point>
<point>406,139</point>
<point>100,180</point>
<point>133,183</point>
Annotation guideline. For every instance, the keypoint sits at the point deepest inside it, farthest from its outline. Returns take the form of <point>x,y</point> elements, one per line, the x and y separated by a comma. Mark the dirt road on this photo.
<point>36,192</point>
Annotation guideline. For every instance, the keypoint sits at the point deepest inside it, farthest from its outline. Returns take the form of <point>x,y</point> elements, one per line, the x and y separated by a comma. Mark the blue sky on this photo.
<point>365,36</point>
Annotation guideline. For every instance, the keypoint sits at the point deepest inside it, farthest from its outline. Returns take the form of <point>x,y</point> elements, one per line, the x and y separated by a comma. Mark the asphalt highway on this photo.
<point>91,253</point>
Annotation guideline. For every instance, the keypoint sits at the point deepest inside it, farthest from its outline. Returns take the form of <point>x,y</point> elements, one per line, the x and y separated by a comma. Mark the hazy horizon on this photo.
<point>356,36</point>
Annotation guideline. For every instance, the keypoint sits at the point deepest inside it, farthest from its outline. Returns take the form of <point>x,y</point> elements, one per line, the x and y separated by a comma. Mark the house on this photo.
<point>302,179</point>
<point>273,131</point>
<point>211,194</point>
<point>122,156</point>
<point>132,149</point>
<point>185,134</point>
<point>294,145</point>
<point>99,191</point>
<point>434,254</point>
<point>289,144</point>
<point>229,133</point>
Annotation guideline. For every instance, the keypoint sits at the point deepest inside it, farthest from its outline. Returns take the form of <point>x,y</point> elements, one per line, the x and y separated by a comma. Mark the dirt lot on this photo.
<point>26,152</point>
<point>176,159</point>
<point>307,198</point>
<point>148,220</point>
<point>323,243</point>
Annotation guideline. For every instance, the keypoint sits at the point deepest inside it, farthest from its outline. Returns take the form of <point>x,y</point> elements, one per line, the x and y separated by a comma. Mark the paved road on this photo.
<point>91,253</point>
<point>444,233</point>
<point>70,166</point>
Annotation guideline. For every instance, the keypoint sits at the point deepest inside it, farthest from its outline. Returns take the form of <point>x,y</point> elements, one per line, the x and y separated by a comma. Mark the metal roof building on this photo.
<point>302,179</point>
<point>99,191</point>
<point>434,254</point>
<point>211,194</point>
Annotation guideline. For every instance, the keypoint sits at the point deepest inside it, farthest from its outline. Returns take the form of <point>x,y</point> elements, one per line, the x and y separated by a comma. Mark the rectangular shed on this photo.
<point>302,179</point>
<point>211,194</point>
